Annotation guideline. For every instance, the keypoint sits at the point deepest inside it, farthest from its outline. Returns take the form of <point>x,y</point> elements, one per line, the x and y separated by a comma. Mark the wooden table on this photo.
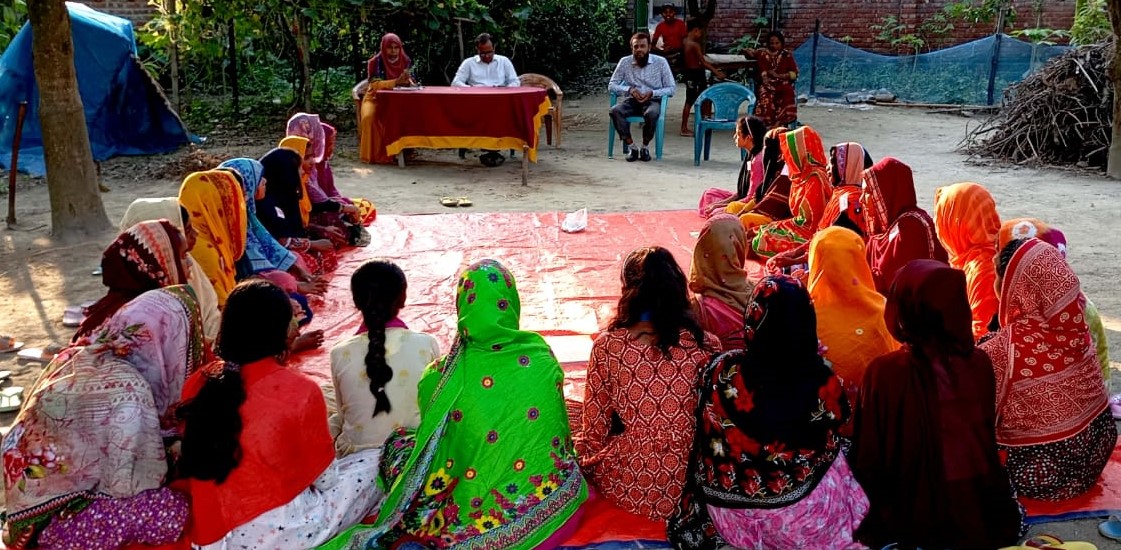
<point>442,117</point>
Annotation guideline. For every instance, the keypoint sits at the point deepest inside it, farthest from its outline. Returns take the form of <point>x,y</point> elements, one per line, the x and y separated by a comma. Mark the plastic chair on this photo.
<point>556,112</point>
<point>726,98</point>
<point>659,132</point>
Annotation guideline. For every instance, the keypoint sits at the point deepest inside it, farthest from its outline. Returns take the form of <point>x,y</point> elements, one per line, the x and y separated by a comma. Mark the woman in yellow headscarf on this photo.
<point>850,312</point>
<point>216,206</point>
<point>299,145</point>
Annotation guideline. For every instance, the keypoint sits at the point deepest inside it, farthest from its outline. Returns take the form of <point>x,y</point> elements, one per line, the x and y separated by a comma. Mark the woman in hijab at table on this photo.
<point>898,230</point>
<point>257,457</point>
<point>766,469</point>
<point>1026,228</point>
<point>492,463</point>
<point>216,206</point>
<point>168,208</point>
<point>967,223</point>
<point>146,256</point>
<point>850,313</point>
<point>387,70</point>
<point>1053,418</point>
<point>640,393</point>
<point>84,461</point>
<point>847,162</point>
<point>280,212</point>
<point>925,445</point>
<point>718,279</point>
<point>809,193</point>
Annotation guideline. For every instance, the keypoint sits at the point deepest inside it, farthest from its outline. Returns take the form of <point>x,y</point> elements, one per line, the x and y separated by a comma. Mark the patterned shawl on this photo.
<point>215,202</point>
<point>146,209</point>
<point>262,251</point>
<point>809,182</point>
<point>494,465</point>
<point>718,268</point>
<point>767,416</point>
<point>967,223</point>
<point>146,256</point>
<point>1049,384</point>
<point>308,126</point>
<point>91,426</point>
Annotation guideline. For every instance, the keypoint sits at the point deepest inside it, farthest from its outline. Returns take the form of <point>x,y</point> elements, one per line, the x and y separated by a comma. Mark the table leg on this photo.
<point>401,159</point>
<point>525,165</point>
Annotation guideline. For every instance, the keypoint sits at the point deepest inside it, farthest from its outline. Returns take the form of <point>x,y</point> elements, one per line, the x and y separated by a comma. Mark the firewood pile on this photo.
<point>1059,115</point>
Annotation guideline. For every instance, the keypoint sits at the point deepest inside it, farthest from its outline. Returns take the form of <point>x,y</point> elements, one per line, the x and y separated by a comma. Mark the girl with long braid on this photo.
<point>375,372</point>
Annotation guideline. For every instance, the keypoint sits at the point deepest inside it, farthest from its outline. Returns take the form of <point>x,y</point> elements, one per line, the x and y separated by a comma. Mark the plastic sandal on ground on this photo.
<point>1111,529</point>
<point>9,344</point>
<point>11,399</point>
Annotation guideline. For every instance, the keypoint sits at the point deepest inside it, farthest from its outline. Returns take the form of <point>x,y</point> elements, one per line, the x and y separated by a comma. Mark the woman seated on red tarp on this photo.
<point>809,193</point>
<point>847,162</point>
<point>328,207</point>
<point>257,456</point>
<point>898,230</point>
<point>769,200</point>
<point>967,222</point>
<point>718,279</point>
<point>924,447</point>
<point>1053,415</point>
<point>640,395</point>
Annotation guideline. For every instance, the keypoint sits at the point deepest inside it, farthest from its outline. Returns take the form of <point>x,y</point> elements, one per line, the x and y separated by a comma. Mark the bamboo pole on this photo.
<point>15,165</point>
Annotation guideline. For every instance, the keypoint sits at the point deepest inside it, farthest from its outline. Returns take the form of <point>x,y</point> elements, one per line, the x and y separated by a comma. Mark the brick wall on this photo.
<point>138,11</point>
<point>855,19</point>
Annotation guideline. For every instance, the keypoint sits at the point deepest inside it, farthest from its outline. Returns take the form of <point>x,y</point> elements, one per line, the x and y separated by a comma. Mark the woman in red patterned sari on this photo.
<point>1053,418</point>
<point>638,404</point>
<point>777,104</point>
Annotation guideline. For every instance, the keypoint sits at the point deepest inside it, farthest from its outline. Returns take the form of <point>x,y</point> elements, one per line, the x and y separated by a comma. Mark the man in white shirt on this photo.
<point>487,68</point>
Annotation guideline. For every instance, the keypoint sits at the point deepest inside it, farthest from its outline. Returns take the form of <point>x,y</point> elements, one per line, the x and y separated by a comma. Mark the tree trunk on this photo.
<point>1113,165</point>
<point>303,52</point>
<point>76,209</point>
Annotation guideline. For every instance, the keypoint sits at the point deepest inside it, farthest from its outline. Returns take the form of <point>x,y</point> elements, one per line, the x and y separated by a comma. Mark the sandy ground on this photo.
<point>38,280</point>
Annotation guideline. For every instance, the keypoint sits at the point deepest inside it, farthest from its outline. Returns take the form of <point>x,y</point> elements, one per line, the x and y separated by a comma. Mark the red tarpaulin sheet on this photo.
<point>568,282</point>
<point>442,117</point>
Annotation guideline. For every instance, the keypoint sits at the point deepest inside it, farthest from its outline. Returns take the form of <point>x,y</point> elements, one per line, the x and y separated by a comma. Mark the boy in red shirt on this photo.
<point>672,31</point>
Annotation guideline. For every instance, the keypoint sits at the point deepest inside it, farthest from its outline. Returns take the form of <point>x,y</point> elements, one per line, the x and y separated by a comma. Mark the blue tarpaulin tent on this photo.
<point>126,112</point>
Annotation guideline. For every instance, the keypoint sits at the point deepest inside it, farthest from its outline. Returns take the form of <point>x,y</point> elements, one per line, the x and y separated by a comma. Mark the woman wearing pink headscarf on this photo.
<point>387,70</point>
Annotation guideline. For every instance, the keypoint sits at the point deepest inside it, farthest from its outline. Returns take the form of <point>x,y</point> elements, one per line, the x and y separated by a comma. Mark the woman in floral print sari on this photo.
<point>492,463</point>
<point>84,462</point>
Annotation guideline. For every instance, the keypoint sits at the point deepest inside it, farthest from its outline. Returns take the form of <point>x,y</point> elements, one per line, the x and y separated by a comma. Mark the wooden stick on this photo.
<point>525,165</point>
<point>15,165</point>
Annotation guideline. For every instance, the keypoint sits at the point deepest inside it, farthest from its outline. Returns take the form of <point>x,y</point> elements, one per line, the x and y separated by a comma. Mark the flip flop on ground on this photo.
<point>9,344</point>
<point>464,201</point>
<point>11,399</point>
<point>449,201</point>
<point>40,355</point>
<point>1111,529</point>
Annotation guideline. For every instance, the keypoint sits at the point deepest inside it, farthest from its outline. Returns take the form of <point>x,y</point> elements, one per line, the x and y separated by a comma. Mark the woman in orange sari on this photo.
<point>850,313</point>
<point>847,162</point>
<point>967,224</point>
<point>216,207</point>
<point>387,70</point>
<point>809,193</point>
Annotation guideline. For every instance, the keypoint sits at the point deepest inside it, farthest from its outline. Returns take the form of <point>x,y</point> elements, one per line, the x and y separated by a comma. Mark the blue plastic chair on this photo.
<point>659,132</point>
<point>726,98</point>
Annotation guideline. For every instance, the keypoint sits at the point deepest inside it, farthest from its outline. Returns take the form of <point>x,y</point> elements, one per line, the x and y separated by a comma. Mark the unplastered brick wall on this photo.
<point>137,11</point>
<point>855,18</point>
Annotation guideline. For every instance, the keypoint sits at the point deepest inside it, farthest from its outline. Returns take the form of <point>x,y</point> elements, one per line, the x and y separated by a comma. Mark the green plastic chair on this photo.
<point>659,132</point>
<point>726,98</point>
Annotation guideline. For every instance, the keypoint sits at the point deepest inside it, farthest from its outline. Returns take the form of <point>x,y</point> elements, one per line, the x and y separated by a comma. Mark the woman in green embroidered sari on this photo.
<point>492,464</point>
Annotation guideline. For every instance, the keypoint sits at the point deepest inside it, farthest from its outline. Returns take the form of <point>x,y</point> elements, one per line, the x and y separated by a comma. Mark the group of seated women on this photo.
<point>901,386</point>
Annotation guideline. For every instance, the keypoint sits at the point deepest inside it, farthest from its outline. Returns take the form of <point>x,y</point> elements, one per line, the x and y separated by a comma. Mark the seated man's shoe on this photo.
<point>633,156</point>
<point>645,155</point>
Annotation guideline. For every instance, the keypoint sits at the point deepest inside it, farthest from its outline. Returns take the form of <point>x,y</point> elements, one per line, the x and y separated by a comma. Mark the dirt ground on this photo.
<point>38,279</point>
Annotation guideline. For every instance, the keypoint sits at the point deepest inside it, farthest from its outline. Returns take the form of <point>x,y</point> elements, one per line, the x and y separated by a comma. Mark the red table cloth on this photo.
<point>442,117</point>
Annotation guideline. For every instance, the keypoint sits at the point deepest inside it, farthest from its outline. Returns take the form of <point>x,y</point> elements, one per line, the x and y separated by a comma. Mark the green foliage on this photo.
<point>1091,22</point>
<point>890,30</point>
<point>980,11</point>
<point>12,16</point>
<point>1042,37</point>
<point>569,40</point>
